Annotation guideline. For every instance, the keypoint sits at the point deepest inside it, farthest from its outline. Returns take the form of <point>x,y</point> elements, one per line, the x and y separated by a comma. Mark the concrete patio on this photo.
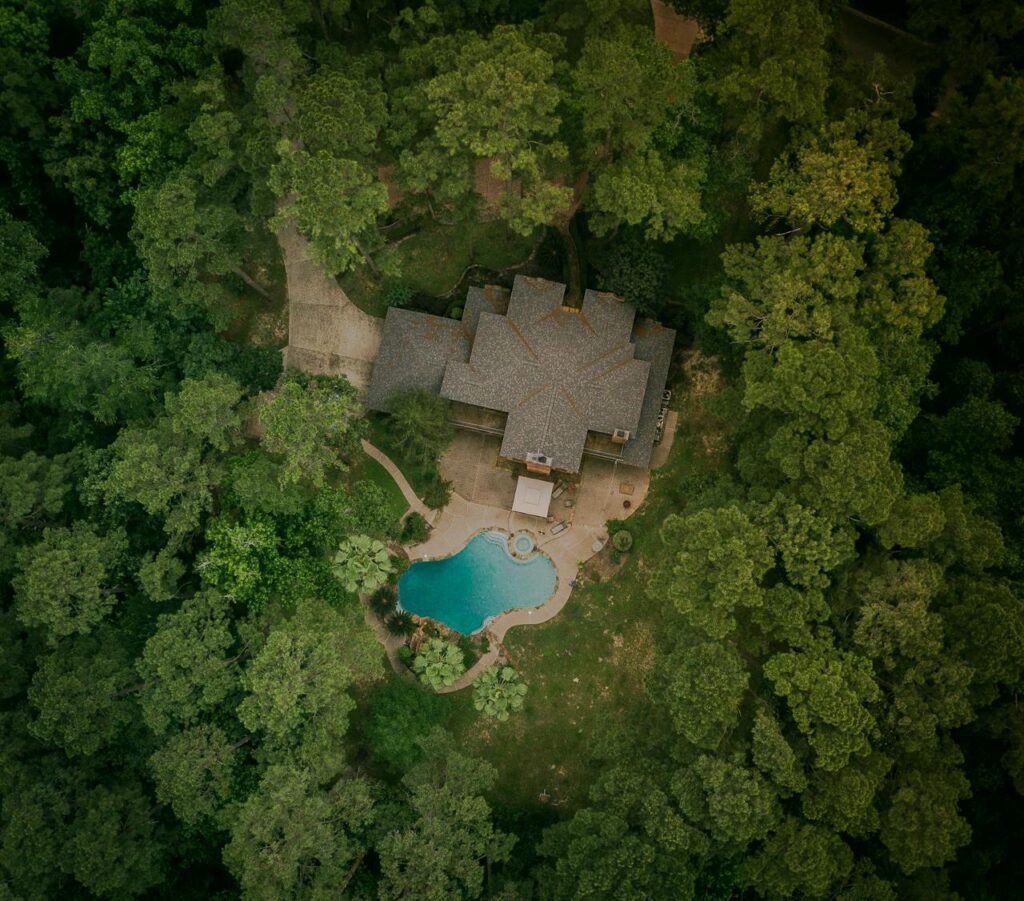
<point>482,499</point>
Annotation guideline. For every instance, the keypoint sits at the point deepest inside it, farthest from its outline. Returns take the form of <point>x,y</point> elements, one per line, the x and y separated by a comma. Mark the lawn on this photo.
<point>424,479</point>
<point>585,667</point>
<point>366,468</point>
<point>433,260</point>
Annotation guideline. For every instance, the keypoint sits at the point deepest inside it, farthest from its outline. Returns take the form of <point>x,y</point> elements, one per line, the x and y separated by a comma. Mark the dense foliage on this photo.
<point>193,704</point>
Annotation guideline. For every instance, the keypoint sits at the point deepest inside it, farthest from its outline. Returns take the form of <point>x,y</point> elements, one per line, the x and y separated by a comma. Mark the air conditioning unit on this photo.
<point>538,463</point>
<point>620,436</point>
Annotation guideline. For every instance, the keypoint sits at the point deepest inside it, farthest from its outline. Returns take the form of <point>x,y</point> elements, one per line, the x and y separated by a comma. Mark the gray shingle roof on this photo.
<point>653,343</point>
<point>558,373</point>
<point>414,350</point>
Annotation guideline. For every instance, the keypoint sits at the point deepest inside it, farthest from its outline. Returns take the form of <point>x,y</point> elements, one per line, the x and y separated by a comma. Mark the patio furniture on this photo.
<point>559,527</point>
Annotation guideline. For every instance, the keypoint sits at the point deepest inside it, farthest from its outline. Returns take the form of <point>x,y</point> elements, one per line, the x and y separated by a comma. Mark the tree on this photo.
<point>735,804</point>
<point>493,98</point>
<point>170,467</point>
<point>438,663</point>
<point>498,691</point>
<point>242,560</point>
<point>113,846</point>
<point>298,696</point>
<point>438,856</point>
<point>419,425</point>
<point>828,692</point>
<point>718,558</point>
<point>774,756</point>
<point>847,799</point>
<point>293,839</point>
<point>67,581</point>
<point>631,97</point>
<point>206,410</point>
<point>810,542</point>
<point>308,421</point>
<point>799,858</point>
<point>189,239</point>
<point>362,564</point>
<point>188,664</point>
<point>631,842</point>
<point>335,202</point>
<point>627,88</point>
<point>843,173</point>
<point>33,491</point>
<point>702,685</point>
<point>914,522</point>
<point>194,772</point>
<point>661,193</point>
<point>774,58</point>
<point>921,826</point>
<point>636,271</point>
<point>400,714</point>
<point>81,693</point>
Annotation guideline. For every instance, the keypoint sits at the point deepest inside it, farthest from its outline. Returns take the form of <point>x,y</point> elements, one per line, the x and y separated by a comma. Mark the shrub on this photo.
<point>400,623</point>
<point>636,271</point>
<point>384,600</point>
<point>455,312</point>
<point>498,692</point>
<point>439,663</point>
<point>622,540</point>
<point>364,509</point>
<point>405,654</point>
<point>361,564</point>
<point>415,529</point>
<point>468,647</point>
<point>438,493</point>
<point>395,293</point>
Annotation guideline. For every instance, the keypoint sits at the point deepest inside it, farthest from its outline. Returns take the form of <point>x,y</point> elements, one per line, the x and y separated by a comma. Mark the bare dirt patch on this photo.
<point>703,374</point>
<point>677,32</point>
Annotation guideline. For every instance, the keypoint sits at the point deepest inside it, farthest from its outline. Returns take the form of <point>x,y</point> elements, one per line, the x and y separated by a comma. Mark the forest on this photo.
<point>817,693</point>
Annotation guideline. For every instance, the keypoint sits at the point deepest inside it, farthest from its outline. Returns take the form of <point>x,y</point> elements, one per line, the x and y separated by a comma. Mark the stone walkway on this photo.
<point>327,333</point>
<point>401,481</point>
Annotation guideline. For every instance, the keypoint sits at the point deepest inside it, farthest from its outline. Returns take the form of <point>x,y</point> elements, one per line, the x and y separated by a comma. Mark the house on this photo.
<point>556,382</point>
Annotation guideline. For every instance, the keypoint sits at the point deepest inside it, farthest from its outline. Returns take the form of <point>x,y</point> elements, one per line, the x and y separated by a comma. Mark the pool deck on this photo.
<point>462,519</point>
<point>471,464</point>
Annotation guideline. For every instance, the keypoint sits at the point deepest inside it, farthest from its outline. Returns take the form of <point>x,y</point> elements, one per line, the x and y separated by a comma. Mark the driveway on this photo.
<point>327,333</point>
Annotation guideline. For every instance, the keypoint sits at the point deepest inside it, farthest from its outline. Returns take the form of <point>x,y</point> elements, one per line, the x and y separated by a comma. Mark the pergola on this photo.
<point>533,497</point>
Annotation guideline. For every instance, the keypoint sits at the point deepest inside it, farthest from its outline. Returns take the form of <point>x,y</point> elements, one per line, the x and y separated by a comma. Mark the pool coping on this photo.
<point>489,621</point>
<point>462,519</point>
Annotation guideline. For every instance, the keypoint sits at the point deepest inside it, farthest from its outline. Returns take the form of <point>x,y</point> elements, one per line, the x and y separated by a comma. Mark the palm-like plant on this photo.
<point>438,663</point>
<point>362,564</point>
<point>498,692</point>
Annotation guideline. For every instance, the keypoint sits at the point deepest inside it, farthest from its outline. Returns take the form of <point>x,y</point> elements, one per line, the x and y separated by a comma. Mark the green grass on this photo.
<point>363,289</point>
<point>366,468</point>
<point>433,260</point>
<point>422,478</point>
<point>585,667</point>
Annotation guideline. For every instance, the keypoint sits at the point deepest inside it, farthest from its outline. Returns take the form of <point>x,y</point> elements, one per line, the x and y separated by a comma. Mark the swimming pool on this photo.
<point>482,580</point>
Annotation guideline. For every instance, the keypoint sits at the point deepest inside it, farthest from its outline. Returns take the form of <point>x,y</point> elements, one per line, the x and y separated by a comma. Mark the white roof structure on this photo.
<point>533,496</point>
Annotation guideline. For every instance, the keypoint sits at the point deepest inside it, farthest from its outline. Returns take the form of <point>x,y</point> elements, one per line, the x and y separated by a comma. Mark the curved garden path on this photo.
<point>401,481</point>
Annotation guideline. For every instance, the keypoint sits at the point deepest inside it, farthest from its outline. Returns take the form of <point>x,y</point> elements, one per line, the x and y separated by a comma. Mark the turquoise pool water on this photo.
<point>480,581</point>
